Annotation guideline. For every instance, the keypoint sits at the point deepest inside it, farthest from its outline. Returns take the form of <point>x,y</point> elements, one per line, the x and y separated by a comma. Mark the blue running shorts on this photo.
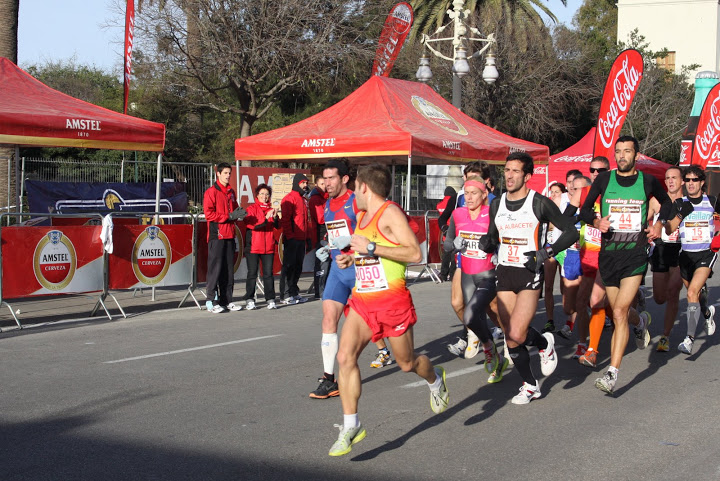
<point>339,284</point>
<point>571,268</point>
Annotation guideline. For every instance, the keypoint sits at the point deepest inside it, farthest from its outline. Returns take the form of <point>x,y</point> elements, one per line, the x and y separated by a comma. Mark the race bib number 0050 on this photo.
<point>369,274</point>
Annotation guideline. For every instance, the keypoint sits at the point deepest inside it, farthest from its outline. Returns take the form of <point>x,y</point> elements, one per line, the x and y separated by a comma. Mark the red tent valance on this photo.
<point>31,113</point>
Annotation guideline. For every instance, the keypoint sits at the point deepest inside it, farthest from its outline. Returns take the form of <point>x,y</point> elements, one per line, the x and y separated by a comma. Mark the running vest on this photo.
<point>340,222</point>
<point>518,232</point>
<point>474,259</point>
<point>673,238</point>
<point>627,208</point>
<point>379,282</point>
<point>697,229</point>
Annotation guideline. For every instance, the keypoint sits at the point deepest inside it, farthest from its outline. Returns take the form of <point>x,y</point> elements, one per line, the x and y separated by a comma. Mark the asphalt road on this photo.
<point>182,394</point>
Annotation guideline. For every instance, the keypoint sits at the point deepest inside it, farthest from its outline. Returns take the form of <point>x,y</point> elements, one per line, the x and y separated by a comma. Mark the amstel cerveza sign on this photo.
<point>437,116</point>
<point>151,255</point>
<point>54,261</point>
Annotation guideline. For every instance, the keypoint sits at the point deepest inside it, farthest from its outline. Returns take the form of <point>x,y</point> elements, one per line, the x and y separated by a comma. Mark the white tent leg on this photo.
<point>157,189</point>
<point>407,197</point>
<point>392,192</point>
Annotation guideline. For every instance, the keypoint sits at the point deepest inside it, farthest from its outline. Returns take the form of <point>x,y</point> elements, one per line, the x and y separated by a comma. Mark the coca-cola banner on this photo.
<point>41,261</point>
<point>706,149</point>
<point>685,152</point>
<point>620,90</point>
<point>396,28</point>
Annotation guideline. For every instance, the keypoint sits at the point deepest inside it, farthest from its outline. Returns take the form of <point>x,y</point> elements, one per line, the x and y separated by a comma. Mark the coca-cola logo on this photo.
<point>706,142</point>
<point>624,86</point>
<point>684,151</point>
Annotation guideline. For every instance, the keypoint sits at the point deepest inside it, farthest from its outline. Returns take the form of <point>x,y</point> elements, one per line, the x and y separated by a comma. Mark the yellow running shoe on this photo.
<point>346,439</point>
<point>664,344</point>
<point>439,399</point>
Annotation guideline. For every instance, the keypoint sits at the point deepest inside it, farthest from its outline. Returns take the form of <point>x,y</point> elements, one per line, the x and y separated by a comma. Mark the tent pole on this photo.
<point>157,189</point>
<point>392,192</point>
<point>237,180</point>
<point>407,197</point>
<point>547,177</point>
<point>17,180</point>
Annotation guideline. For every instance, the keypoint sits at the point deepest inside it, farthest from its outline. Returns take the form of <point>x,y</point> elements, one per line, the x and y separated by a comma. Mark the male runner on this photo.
<point>381,305</point>
<point>340,217</point>
<point>694,215</point>
<point>667,281</point>
<point>517,227</point>
<point>623,256</point>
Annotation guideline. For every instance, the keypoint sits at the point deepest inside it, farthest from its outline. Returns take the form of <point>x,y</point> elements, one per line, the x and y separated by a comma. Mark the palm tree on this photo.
<point>8,48</point>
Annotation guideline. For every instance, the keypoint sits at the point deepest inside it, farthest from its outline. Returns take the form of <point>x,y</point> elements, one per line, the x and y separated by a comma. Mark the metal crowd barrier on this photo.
<point>425,262</point>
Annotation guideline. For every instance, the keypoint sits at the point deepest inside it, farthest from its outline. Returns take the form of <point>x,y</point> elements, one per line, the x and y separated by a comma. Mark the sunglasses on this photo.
<point>692,179</point>
<point>594,170</point>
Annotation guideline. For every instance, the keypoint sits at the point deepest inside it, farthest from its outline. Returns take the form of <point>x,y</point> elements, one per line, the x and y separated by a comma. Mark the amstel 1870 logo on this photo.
<point>151,255</point>
<point>437,115</point>
<point>54,261</point>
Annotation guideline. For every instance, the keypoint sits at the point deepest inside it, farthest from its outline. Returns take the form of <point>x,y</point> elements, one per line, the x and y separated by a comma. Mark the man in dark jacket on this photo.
<point>445,208</point>
<point>221,212</point>
<point>294,223</point>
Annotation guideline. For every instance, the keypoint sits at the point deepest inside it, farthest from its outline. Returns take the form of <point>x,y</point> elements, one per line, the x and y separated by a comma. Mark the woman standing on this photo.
<point>261,220</point>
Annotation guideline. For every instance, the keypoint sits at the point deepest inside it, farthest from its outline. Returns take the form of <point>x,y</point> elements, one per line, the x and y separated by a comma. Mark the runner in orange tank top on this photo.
<point>381,305</point>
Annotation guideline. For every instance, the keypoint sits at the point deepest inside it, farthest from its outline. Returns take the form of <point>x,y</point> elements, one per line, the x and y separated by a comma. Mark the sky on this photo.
<point>61,30</point>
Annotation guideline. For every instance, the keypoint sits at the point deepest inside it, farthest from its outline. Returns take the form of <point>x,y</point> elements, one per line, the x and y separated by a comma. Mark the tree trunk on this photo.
<point>9,49</point>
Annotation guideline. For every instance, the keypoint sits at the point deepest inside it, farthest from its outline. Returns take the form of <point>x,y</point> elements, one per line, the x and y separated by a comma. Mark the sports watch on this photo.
<point>371,248</point>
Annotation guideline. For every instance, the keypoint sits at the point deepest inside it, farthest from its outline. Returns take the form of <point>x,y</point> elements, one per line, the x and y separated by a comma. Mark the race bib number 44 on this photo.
<point>626,218</point>
<point>369,274</point>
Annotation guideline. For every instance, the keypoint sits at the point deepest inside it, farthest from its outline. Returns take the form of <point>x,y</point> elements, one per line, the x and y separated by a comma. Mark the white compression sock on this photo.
<point>329,348</point>
<point>435,386</point>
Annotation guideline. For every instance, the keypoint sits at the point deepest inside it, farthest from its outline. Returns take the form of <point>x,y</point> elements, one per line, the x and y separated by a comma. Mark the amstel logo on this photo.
<point>54,261</point>
<point>151,256</point>
<point>437,116</point>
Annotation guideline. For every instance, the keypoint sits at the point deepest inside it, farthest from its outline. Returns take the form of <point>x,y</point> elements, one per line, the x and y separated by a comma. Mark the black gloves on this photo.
<point>237,214</point>
<point>686,208</point>
<point>537,258</point>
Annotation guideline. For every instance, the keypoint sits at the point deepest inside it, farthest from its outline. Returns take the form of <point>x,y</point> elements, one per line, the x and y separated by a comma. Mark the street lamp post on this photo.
<point>461,67</point>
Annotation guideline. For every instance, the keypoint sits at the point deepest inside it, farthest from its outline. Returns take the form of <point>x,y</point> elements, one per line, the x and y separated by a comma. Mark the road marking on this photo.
<point>210,346</point>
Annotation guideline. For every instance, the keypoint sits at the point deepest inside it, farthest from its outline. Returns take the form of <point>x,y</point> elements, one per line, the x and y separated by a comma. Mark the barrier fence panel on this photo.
<point>421,227</point>
<point>50,260</point>
<point>152,255</point>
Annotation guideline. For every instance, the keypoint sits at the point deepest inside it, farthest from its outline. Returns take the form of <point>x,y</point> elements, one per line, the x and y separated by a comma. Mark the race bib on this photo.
<point>697,231</point>
<point>512,251</point>
<point>473,245</point>
<point>337,228</point>
<point>626,218</point>
<point>593,235</point>
<point>369,274</point>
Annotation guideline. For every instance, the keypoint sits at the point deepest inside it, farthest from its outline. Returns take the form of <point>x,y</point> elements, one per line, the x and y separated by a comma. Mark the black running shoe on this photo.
<point>549,327</point>
<point>326,389</point>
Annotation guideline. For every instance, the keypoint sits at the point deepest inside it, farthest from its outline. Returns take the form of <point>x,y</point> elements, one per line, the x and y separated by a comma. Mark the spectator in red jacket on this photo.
<point>294,222</point>
<point>261,221</point>
<point>221,212</point>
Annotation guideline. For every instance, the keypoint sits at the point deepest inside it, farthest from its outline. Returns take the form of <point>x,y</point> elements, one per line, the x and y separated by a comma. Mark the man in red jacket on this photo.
<point>318,197</point>
<point>221,212</point>
<point>294,223</point>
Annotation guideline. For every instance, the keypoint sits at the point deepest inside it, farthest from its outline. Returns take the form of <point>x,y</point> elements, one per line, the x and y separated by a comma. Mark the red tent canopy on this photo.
<point>578,156</point>
<point>31,113</point>
<point>387,117</point>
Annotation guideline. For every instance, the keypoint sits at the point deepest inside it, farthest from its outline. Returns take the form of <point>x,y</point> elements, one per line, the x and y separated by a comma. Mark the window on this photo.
<point>668,62</point>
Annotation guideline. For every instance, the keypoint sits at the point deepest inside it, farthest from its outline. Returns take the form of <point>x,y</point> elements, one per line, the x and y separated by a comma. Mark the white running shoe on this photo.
<point>290,301</point>
<point>687,345</point>
<point>250,305</point>
<point>439,399</point>
<point>548,356</point>
<point>527,393</point>
<point>473,345</point>
<point>300,299</point>
<point>642,336</point>
<point>710,322</point>
<point>346,439</point>
<point>458,348</point>
<point>234,307</point>
<point>383,359</point>
<point>271,304</point>
<point>607,382</point>
<point>218,309</point>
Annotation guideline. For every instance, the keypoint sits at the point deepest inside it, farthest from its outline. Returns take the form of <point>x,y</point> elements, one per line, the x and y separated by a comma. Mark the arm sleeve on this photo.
<point>661,196</point>
<point>547,211</point>
<point>490,241</point>
<point>587,211</point>
<point>450,237</point>
<point>675,208</point>
<point>449,208</point>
